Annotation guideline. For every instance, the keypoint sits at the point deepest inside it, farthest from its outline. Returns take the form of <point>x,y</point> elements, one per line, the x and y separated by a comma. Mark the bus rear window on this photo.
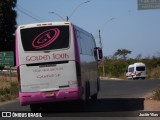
<point>45,38</point>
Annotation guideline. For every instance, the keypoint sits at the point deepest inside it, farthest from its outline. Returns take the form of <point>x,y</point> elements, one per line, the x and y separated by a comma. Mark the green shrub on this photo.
<point>156,94</point>
<point>154,73</point>
<point>10,92</point>
<point>117,67</point>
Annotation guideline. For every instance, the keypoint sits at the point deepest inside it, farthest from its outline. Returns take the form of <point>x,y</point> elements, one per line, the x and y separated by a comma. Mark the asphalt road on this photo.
<point>128,88</point>
<point>117,98</point>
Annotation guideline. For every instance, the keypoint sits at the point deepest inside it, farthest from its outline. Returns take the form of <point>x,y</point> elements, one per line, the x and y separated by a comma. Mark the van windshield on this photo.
<point>45,38</point>
<point>131,69</point>
<point>142,68</point>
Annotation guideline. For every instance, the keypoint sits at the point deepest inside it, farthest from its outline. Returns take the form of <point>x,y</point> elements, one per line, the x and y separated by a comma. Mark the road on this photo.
<point>117,98</point>
<point>128,88</point>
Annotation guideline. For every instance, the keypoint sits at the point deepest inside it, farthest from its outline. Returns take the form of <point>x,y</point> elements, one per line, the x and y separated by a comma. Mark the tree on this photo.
<point>122,52</point>
<point>138,57</point>
<point>7,24</point>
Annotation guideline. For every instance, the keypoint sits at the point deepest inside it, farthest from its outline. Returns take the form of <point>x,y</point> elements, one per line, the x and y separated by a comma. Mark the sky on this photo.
<point>122,25</point>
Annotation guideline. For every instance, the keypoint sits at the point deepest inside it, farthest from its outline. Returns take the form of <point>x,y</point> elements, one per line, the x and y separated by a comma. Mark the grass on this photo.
<point>154,73</point>
<point>156,94</point>
<point>8,88</point>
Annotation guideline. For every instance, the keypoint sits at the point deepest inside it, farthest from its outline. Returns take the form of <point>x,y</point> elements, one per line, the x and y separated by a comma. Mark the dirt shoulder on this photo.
<point>151,105</point>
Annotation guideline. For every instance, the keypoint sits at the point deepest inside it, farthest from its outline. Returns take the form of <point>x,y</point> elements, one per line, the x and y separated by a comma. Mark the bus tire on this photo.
<point>87,92</point>
<point>35,108</point>
<point>94,97</point>
<point>98,84</point>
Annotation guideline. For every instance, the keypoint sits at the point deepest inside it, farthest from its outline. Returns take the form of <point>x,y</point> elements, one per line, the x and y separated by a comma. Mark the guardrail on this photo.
<point>8,71</point>
<point>7,68</point>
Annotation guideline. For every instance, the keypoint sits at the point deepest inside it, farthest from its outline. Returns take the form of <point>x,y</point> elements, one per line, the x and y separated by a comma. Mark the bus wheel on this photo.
<point>87,92</point>
<point>98,84</point>
<point>36,108</point>
<point>94,97</point>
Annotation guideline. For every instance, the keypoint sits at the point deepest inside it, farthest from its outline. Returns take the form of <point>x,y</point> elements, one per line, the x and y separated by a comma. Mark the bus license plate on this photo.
<point>49,94</point>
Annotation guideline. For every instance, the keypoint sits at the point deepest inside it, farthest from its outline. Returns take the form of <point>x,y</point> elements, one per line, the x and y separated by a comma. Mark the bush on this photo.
<point>117,67</point>
<point>10,92</point>
<point>156,94</point>
<point>154,73</point>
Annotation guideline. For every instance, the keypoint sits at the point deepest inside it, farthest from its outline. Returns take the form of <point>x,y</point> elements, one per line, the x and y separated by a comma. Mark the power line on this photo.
<point>33,14</point>
<point>29,14</point>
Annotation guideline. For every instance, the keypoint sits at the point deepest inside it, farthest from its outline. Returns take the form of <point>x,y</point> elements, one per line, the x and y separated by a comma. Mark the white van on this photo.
<point>136,71</point>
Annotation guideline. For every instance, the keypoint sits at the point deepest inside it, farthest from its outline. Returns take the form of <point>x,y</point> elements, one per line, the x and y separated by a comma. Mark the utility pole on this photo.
<point>77,8</point>
<point>68,17</point>
<point>101,45</point>
<point>57,15</point>
<point>100,42</point>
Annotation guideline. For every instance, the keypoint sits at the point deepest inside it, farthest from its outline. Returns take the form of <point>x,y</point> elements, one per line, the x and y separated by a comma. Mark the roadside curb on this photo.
<point>7,102</point>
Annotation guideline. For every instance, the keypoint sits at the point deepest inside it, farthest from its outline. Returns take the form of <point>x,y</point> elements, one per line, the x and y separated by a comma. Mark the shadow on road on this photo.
<point>101,105</point>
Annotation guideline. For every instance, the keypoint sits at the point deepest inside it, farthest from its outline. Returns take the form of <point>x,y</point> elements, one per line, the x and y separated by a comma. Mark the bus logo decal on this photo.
<point>45,38</point>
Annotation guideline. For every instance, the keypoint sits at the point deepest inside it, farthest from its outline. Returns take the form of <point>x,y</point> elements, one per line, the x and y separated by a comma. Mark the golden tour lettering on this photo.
<point>54,56</point>
<point>38,58</point>
<point>60,56</point>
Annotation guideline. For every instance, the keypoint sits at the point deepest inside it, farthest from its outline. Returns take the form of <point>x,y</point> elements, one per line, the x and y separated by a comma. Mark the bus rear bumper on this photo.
<point>28,98</point>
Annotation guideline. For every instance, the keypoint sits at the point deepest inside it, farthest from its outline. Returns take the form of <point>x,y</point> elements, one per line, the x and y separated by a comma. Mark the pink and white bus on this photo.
<point>56,61</point>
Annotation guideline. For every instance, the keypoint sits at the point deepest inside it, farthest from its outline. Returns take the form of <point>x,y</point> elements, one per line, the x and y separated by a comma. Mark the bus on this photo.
<point>136,71</point>
<point>56,61</point>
